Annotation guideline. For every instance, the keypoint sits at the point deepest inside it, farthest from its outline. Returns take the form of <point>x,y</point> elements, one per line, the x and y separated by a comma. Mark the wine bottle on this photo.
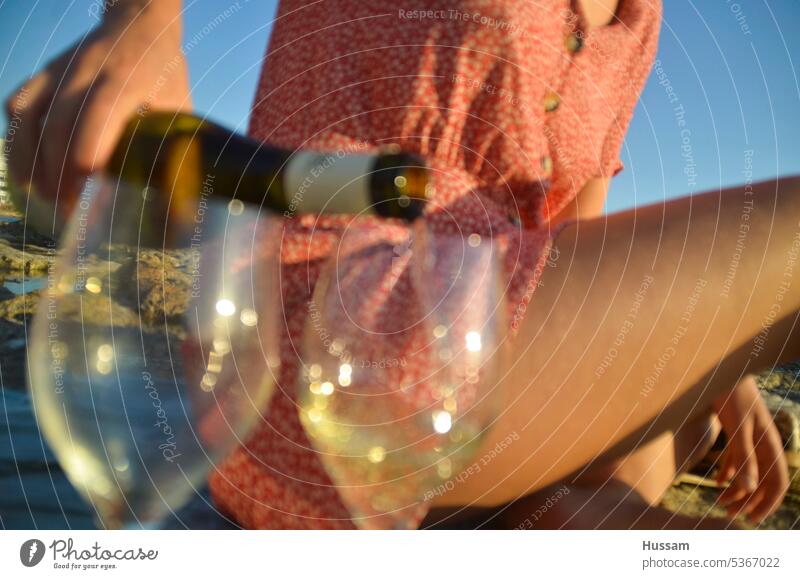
<point>182,157</point>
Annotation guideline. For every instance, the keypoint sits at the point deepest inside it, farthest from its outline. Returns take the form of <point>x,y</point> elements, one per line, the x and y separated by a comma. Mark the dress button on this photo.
<point>547,165</point>
<point>551,102</point>
<point>574,43</point>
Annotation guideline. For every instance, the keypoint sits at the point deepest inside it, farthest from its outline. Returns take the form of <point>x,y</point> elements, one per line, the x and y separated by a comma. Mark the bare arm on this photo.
<point>72,113</point>
<point>588,203</point>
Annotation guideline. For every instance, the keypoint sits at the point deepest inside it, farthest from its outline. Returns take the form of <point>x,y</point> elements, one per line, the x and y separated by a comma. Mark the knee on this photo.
<point>694,440</point>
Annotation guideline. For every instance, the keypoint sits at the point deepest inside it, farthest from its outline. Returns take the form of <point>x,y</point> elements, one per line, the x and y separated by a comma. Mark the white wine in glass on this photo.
<point>402,351</point>
<point>153,350</point>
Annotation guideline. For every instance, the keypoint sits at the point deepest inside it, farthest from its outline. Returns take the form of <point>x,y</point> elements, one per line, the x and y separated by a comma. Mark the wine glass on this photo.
<point>153,350</point>
<point>401,353</point>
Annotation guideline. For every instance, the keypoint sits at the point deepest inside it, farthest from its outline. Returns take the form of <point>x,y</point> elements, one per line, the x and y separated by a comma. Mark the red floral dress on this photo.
<point>514,104</point>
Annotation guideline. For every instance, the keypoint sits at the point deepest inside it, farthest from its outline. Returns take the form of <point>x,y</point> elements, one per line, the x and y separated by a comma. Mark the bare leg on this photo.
<point>623,493</point>
<point>647,473</point>
<point>650,469</point>
<point>617,506</point>
<point>620,494</point>
<point>690,339</point>
<point>626,492</point>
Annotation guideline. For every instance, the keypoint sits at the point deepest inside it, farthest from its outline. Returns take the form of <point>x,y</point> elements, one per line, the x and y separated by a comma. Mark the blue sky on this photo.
<point>731,66</point>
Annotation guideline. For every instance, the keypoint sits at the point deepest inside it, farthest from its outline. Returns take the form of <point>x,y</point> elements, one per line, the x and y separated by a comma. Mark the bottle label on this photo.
<point>329,183</point>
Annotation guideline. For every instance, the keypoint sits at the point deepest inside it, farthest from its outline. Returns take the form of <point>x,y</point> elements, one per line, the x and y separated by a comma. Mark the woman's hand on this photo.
<point>71,114</point>
<point>754,461</point>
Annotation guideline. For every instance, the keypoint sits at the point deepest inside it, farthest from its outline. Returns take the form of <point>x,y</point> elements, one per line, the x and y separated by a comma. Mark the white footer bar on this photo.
<point>410,554</point>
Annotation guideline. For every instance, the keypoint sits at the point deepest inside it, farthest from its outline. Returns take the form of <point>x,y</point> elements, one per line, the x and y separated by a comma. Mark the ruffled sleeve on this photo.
<point>600,90</point>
